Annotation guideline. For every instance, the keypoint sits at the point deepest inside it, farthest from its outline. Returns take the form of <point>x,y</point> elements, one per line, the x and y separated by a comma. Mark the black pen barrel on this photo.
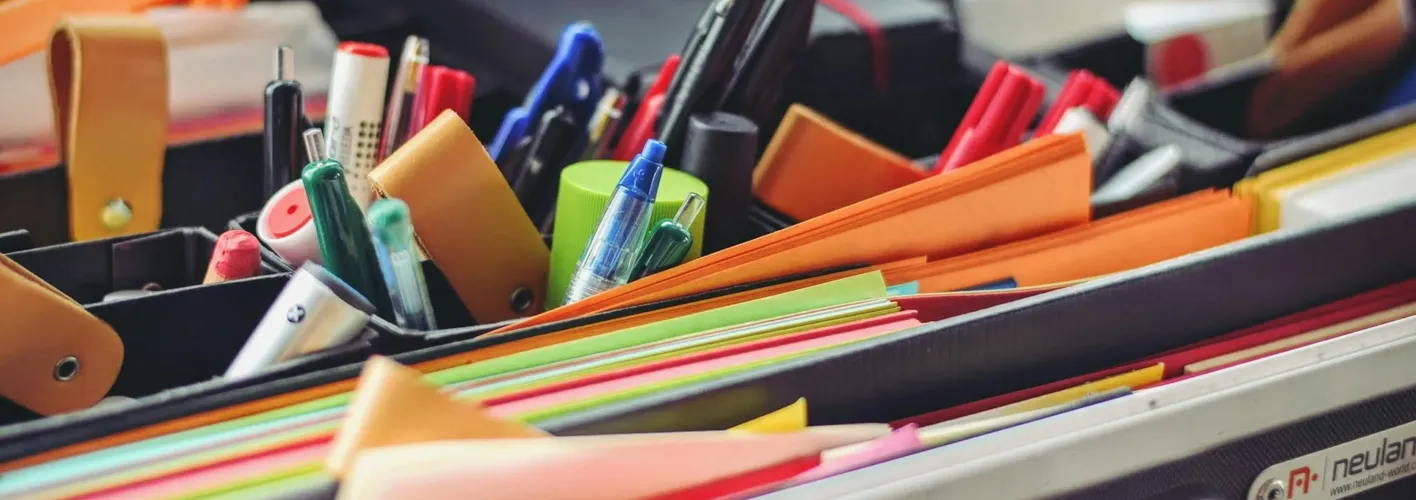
<point>284,114</point>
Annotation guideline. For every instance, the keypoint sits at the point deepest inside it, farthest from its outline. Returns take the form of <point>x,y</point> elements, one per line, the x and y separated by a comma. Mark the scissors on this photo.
<point>572,80</point>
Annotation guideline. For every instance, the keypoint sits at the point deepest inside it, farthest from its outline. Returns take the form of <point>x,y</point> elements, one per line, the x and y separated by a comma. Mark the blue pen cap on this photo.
<point>641,179</point>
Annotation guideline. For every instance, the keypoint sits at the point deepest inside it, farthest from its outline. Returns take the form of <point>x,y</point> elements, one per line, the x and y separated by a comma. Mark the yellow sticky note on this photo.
<point>790,418</point>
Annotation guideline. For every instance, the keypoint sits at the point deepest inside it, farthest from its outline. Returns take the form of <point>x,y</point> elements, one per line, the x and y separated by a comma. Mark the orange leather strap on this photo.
<point>108,77</point>
<point>55,357</point>
<point>467,220</point>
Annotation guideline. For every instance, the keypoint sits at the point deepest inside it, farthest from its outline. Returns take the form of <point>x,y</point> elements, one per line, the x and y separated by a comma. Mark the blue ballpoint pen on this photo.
<point>572,79</point>
<point>393,239</point>
<point>609,256</point>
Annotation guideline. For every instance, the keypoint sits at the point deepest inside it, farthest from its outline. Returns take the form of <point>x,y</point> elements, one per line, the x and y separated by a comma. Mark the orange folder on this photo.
<point>1141,237</point>
<point>1038,187</point>
<point>814,166</point>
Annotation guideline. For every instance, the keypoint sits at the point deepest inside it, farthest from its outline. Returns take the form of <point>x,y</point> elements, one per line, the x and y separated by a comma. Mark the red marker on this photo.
<point>237,255</point>
<point>441,88</point>
<point>1000,114</point>
<point>1082,90</point>
<point>641,128</point>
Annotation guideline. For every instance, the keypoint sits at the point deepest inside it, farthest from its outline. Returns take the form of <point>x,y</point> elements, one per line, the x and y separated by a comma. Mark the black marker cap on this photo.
<point>721,150</point>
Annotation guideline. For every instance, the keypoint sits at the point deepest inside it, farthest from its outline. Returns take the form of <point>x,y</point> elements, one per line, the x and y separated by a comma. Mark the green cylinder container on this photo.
<point>585,190</point>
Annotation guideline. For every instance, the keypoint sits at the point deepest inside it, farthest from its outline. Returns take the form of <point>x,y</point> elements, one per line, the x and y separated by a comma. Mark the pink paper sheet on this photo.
<point>219,473</point>
<point>640,379</point>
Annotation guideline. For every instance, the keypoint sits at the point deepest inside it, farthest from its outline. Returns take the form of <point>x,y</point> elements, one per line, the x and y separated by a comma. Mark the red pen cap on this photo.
<point>641,127</point>
<point>364,49</point>
<point>237,255</point>
<point>996,120</point>
<point>441,88</point>
<point>1082,90</point>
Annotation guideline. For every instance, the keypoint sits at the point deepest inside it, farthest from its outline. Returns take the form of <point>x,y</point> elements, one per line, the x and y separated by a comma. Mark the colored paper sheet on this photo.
<point>862,287</point>
<point>1040,186</point>
<point>669,349</point>
<point>903,441</point>
<point>1131,380</point>
<point>1266,190</point>
<point>394,406</point>
<point>561,410</point>
<point>591,467</point>
<point>910,288</point>
<point>672,370</point>
<point>271,463</point>
<point>788,419</point>
<point>294,462</point>
<point>846,290</point>
<point>949,432</point>
<point>335,394</point>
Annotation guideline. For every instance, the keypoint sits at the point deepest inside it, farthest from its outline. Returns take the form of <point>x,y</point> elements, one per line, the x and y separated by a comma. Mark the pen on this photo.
<point>641,127</point>
<point>314,311</point>
<point>441,88</point>
<point>355,110</point>
<point>393,239</point>
<point>603,124</point>
<point>401,95</point>
<point>237,255</point>
<point>345,245</point>
<point>762,68</point>
<point>609,254</point>
<point>702,78</point>
<point>669,240</point>
<point>284,110</point>
<point>535,181</point>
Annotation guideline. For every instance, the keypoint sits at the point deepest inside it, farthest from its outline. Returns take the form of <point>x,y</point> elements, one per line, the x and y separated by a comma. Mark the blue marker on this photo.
<point>609,256</point>
<point>572,79</point>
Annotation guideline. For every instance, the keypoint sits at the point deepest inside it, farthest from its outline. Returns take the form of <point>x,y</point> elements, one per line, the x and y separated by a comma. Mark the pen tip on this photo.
<point>653,151</point>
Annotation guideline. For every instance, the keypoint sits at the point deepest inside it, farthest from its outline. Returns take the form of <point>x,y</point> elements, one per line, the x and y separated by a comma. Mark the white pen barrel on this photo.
<point>355,113</point>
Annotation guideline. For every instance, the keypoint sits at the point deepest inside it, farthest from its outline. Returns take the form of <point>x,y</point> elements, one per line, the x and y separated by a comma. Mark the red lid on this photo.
<point>364,49</point>
<point>237,255</point>
<point>291,212</point>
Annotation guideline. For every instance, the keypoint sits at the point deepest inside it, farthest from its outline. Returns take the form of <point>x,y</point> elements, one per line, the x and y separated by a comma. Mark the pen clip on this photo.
<point>572,79</point>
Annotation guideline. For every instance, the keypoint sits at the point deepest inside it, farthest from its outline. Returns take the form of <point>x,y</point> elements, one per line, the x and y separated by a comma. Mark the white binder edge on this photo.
<point>1152,427</point>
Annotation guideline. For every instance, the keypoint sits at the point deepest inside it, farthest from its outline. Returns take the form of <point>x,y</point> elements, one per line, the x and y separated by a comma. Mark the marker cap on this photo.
<point>286,225</point>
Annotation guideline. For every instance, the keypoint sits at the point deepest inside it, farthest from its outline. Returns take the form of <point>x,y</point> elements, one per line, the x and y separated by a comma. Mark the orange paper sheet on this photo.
<point>1038,187</point>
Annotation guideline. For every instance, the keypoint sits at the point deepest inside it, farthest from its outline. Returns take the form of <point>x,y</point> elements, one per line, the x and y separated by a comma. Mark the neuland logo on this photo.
<point>1390,452</point>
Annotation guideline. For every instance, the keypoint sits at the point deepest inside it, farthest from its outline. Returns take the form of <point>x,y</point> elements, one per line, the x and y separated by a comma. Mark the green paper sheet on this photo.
<point>844,291</point>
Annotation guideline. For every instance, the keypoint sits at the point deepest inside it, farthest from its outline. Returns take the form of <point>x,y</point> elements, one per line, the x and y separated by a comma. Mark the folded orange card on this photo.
<point>1038,187</point>
<point>1137,238</point>
<point>814,166</point>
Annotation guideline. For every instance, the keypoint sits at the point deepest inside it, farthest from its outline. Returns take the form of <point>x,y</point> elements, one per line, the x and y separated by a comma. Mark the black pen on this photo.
<point>760,74</point>
<point>556,140</point>
<point>703,76</point>
<point>284,112</point>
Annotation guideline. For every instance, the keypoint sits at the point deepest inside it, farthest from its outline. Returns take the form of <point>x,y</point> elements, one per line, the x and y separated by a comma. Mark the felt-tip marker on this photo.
<point>284,110</point>
<point>392,228</point>
<point>345,246</point>
<point>355,113</point>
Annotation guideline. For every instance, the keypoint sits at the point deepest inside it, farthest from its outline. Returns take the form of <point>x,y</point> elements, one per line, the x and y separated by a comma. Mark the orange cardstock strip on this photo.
<point>814,166</point>
<point>1038,187</point>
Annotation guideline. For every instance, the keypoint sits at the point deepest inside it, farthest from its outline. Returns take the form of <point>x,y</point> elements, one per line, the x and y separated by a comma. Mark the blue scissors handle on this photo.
<point>572,79</point>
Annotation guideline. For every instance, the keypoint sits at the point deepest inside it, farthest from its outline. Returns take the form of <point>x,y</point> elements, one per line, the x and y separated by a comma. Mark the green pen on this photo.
<point>668,241</point>
<point>345,243</point>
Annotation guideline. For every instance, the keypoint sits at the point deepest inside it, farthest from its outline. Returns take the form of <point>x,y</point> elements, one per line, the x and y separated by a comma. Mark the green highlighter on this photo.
<point>668,241</point>
<point>345,244</point>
